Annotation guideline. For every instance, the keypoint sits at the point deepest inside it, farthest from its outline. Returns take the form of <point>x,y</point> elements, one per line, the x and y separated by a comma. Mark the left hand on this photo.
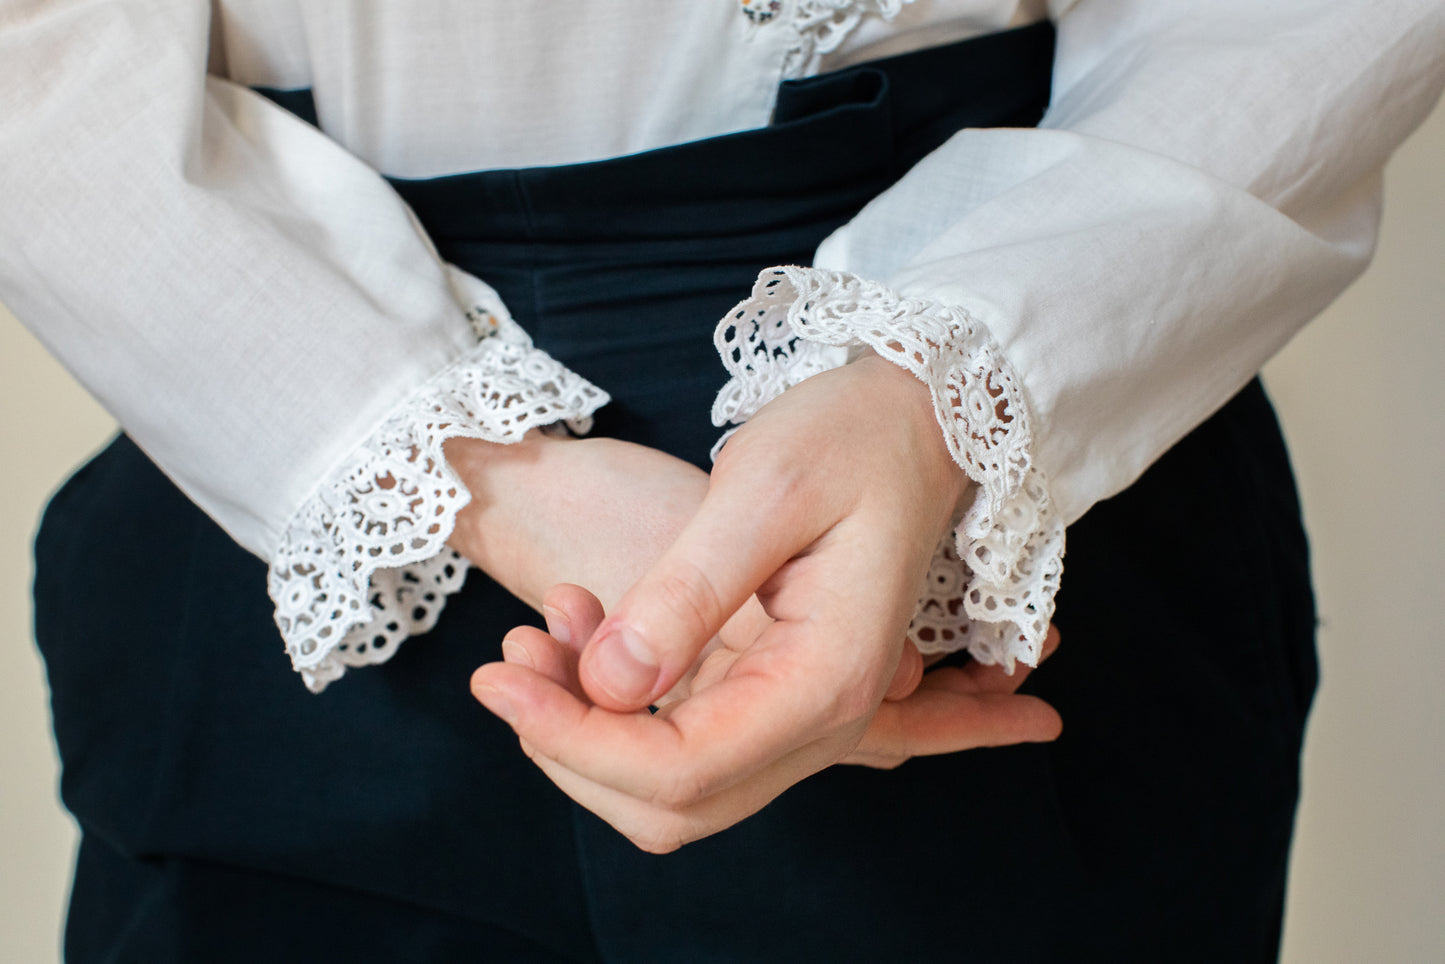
<point>828,505</point>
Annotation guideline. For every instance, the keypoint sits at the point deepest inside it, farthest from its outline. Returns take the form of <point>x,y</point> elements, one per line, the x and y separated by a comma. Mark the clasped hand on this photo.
<point>761,609</point>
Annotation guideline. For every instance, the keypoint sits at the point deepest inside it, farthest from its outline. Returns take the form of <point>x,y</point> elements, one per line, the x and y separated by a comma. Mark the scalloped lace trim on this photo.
<point>364,562</point>
<point>990,588</point>
<point>822,26</point>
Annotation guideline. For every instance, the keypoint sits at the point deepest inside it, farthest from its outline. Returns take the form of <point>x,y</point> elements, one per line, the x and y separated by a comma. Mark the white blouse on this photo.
<point>264,316</point>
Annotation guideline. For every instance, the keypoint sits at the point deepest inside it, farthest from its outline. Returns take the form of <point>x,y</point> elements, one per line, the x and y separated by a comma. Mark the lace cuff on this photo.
<point>364,563</point>
<point>991,587</point>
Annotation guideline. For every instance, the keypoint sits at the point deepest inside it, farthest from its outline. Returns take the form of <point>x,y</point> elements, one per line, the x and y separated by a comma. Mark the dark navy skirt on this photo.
<point>229,815</point>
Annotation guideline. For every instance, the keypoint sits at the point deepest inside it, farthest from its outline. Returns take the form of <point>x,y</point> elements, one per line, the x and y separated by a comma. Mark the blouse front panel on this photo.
<point>1206,180</point>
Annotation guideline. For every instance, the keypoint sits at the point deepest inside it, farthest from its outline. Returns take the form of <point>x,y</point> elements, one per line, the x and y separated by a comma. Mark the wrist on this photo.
<point>491,531</point>
<point>910,402</point>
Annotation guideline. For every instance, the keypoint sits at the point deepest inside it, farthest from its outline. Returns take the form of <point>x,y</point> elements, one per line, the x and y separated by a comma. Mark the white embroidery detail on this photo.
<point>364,562</point>
<point>991,587</point>
<point>823,25</point>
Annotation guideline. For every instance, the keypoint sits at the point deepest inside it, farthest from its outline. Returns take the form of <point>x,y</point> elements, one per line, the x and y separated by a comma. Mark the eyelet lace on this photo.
<point>364,562</point>
<point>823,25</point>
<point>991,587</point>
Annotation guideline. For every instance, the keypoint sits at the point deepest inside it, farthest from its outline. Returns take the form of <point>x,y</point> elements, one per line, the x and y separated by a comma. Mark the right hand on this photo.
<point>593,512</point>
<point>566,735</point>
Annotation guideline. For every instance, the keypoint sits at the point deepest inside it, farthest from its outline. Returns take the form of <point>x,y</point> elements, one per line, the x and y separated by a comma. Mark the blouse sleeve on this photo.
<point>1080,296</point>
<point>260,311</point>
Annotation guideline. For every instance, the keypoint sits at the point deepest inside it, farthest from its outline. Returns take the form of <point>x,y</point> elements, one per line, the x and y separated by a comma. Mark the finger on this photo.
<point>572,614</point>
<point>997,679</point>
<point>686,752</point>
<point>908,674</point>
<point>947,714</point>
<point>663,622</point>
<point>533,649</point>
<point>1014,720</point>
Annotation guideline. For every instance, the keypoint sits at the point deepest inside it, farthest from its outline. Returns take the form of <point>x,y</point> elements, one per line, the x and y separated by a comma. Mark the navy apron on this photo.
<point>229,815</point>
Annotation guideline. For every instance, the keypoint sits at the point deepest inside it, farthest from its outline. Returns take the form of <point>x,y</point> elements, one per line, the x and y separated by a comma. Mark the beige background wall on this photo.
<point>1363,404</point>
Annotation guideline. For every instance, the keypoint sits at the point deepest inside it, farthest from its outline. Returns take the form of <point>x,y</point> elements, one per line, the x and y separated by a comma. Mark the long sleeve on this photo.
<point>257,307</point>
<point>1080,296</point>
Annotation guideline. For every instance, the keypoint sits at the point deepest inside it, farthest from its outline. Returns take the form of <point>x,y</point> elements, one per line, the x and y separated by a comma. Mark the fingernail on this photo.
<point>624,666</point>
<point>557,625</point>
<point>496,701</point>
<point>514,652</point>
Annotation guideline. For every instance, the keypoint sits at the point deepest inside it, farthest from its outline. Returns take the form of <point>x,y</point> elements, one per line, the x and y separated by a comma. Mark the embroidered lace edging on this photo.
<point>364,562</point>
<point>991,587</point>
<point>823,25</point>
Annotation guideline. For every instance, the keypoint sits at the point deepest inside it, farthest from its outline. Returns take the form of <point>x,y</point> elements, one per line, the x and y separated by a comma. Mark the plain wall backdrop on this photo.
<point>1363,406</point>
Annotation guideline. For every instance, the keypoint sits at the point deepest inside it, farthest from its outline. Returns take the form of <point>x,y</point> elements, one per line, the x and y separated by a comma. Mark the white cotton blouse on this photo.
<point>265,317</point>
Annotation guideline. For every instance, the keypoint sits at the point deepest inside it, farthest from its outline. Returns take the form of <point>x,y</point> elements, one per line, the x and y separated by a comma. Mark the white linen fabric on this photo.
<point>264,316</point>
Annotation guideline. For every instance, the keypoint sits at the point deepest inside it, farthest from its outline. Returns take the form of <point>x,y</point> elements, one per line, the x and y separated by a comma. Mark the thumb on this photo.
<point>655,633</point>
